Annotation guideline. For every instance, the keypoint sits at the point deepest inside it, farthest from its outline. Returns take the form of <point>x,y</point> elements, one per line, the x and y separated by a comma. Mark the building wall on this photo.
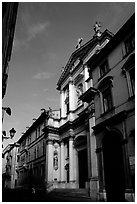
<point>9,14</point>
<point>122,101</point>
<point>9,166</point>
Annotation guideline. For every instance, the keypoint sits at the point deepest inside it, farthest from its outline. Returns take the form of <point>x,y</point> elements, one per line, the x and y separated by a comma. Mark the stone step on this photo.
<point>75,193</point>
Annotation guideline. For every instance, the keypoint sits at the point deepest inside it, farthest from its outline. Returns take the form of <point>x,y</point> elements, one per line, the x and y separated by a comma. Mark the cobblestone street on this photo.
<point>25,195</point>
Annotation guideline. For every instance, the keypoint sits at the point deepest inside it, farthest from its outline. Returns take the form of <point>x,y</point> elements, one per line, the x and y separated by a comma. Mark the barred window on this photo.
<point>107,99</point>
<point>105,88</point>
<point>104,68</point>
<point>130,44</point>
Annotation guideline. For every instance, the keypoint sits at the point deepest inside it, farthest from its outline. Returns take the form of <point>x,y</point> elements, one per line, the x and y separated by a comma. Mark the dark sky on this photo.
<point>46,35</point>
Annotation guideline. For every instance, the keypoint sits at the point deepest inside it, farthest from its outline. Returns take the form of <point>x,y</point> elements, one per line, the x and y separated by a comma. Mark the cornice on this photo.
<point>112,120</point>
<point>33,127</point>
<point>50,129</point>
<point>81,52</point>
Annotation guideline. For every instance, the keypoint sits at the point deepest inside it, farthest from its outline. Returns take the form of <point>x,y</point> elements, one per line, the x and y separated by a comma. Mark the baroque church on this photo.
<point>65,148</point>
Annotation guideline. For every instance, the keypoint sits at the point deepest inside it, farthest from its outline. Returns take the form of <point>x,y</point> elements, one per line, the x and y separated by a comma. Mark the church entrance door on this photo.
<point>83,168</point>
<point>113,167</point>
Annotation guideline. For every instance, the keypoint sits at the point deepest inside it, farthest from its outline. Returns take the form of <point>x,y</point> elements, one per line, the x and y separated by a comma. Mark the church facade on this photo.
<point>66,149</point>
<point>78,143</point>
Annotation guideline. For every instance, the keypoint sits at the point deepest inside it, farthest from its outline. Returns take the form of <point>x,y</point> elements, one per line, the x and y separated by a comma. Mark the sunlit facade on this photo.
<point>71,147</point>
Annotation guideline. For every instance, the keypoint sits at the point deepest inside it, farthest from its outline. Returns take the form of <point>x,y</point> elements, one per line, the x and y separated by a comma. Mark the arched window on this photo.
<point>129,71</point>
<point>67,99</point>
<point>105,88</point>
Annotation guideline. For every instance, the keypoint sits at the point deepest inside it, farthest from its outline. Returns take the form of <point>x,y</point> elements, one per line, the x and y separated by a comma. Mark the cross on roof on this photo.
<point>97,27</point>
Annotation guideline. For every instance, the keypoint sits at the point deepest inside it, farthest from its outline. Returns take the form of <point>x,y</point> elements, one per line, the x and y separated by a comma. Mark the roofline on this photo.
<point>114,41</point>
<point>94,40</point>
<point>43,116</point>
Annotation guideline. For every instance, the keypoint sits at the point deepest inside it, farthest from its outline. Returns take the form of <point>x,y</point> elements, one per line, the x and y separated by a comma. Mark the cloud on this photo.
<point>36,29</point>
<point>52,99</point>
<point>43,75</point>
<point>45,90</point>
<point>31,33</point>
<point>17,44</point>
<point>35,94</point>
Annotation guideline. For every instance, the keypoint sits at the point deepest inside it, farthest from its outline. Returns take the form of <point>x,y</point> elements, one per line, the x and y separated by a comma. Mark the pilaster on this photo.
<point>71,160</point>
<point>62,103</point>
<point>71,95</point>
<point>62,162</point>
<point>49,163</point>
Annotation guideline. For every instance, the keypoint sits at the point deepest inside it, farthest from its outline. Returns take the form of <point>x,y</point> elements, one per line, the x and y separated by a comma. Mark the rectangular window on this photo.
<point>36,134</point>
<point>107,99</point>
<point>67,107</point>
<point>104,68</point>
<point>35,153</point>
<point>67,100</point>
<point>42,171</point>
<point>132,80</point>
<point>130,44</point>
<point>43,147</point>
<point>23,144</point>
<point>38,131</point>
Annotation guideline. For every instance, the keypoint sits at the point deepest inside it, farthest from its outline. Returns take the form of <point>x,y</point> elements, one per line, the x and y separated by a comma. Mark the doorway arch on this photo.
<point>80,143</point>
<point>113,166</point>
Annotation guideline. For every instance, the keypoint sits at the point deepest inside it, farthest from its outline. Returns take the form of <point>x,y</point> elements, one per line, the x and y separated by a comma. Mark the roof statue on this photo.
<point>79,43</point>
<point>97,27</point>
<point>62,69</point>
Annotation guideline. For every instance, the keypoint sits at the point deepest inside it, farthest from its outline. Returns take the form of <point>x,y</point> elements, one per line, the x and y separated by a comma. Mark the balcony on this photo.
<point>88,96</point>
<point>25,166</point>
<point>26,148</point>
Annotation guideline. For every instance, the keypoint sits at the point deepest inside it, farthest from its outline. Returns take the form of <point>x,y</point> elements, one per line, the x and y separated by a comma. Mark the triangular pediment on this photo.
<point>80,54</point>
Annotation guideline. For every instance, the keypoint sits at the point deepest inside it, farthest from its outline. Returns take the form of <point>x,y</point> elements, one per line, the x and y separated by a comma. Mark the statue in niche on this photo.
<point>55,160</point>
<point>79,90</point>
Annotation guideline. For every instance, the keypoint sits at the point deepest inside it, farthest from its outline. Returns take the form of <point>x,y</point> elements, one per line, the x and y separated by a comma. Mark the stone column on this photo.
<point>49,163</point>
<point>71,160</point>
<point>71,95</point>
<point>62,162</point>
<point>86,76</point>
<point>94,185</point>
<point>75,166</point>
<point>62,103</point>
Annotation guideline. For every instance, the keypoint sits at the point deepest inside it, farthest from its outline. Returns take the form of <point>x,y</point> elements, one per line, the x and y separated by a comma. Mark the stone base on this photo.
<point>129,196</point>
<point>94,189</point>
<point>49,186</point>
<point>55,184</point>
<point>102,196</point>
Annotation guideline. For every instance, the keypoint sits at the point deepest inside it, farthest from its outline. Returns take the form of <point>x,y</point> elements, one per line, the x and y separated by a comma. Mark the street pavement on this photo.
<point>26,195</point>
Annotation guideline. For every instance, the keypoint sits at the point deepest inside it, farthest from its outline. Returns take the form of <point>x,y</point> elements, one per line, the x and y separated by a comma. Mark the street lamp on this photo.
<point>12,133</point>
<point>7,110</point>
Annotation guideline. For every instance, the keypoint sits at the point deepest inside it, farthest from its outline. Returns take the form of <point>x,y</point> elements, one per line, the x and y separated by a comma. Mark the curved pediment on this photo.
<point>80,140</point>
<point>129,62</point>
<point>104,82</point>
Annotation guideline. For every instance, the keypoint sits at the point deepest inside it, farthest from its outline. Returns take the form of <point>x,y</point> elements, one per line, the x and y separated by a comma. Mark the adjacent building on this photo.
<point>34,152</point>
<point>9,15</point>
<point>112,71</point>
<point>9,166</point>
